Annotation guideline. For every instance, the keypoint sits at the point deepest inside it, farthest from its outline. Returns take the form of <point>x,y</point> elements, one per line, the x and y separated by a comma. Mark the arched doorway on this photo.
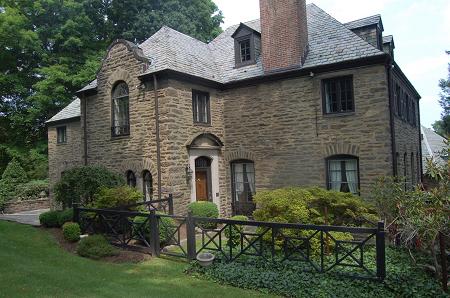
<point>204,153</point>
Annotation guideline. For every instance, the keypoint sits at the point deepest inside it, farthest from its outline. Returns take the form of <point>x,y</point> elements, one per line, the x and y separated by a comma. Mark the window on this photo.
<point>413,113</point>
<point>200,107</point>
<point>404,105</point>
<point>243,180</point>
<point>120,110</point>
<point>405,170</point>
<point>343,173</point>
<point>413,179</point>
<point>61,135</point>
<point>147,185</point>
<point>131,179</point>
<point>245,52</point>
<point>338,95</point>
<point>408,108</point>
<point>398,100</point>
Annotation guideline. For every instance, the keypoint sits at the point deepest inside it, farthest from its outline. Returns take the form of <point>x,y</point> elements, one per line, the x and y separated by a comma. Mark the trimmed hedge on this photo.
<point>65,216</point>
<point>204,209</point>
<point>116,197</point>
<point>166,228</point>
<point>96,247</point>
<point>32,190</point>
<point>71,231</point>
<point>49,219</point>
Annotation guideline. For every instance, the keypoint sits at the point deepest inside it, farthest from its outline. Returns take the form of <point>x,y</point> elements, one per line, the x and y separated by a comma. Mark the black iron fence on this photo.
<point>358,252</point>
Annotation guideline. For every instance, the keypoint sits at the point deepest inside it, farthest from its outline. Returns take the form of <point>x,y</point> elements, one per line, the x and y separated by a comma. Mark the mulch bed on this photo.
<point>124,256</point>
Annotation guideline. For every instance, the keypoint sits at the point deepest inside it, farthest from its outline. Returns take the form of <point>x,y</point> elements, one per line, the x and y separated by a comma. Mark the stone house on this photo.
<point>295,98</point>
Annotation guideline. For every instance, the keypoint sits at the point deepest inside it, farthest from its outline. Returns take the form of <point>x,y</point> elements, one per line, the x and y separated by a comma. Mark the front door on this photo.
<point>201,185</point>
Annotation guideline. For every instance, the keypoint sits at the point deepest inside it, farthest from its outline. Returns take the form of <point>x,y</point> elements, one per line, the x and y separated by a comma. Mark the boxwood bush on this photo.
<point>49,219</point>
<point>116,197</point>
<point>32,190</point>
<point>204,209</point>
<point>65,216</point>
<point>96,247</point>
<point>71,231</point>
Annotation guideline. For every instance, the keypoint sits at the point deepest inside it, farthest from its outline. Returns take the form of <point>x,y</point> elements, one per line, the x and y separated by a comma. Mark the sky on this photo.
<point>421,33</point>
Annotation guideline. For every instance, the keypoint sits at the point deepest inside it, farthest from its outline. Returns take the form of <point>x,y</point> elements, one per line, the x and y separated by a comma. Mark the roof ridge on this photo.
<point>360,19</point>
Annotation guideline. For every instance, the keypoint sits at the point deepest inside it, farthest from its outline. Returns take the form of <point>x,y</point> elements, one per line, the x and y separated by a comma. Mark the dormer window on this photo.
<point>247,45</point>
<point>244,46</point>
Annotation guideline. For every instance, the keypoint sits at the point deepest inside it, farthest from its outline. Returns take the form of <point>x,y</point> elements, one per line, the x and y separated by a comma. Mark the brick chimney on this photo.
<point>284,34</point>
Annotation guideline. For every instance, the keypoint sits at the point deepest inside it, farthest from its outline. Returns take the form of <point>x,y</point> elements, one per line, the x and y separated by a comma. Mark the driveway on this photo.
<point>26,217</point>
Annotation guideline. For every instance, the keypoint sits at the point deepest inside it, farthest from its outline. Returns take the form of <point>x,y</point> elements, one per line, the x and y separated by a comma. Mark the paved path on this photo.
<point>26,217</point>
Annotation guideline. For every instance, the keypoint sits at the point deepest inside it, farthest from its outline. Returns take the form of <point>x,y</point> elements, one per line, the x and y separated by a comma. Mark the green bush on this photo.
<point>204,209</point>
<point>49,219</point>
<point>32,190</point>
<point>234,238</point>
<point>78,185</point>
<point>116,197</point>
<point>167,227</point>
<point>65,216</point>
<point>71,231</point>
<point>13,176</point>
<point>95,247</point>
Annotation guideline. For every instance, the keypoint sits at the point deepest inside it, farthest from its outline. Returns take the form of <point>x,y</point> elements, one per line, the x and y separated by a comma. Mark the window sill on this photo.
<point>343,114</point>
<point>114,138</point>
<point>240,65</point>
<point>202,124</point>
<point>61,144</point>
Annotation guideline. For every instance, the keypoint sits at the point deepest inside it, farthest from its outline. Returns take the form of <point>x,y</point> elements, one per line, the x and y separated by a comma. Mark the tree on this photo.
<point>49,49</point>
<point>442,126</point>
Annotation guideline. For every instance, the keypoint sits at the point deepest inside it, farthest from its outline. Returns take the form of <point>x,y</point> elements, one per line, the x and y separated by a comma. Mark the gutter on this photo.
<point>158,140</point>
<point>391,118</point>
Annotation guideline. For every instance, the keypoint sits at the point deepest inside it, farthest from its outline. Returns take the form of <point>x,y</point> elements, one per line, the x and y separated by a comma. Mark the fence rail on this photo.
<point>319,248</point>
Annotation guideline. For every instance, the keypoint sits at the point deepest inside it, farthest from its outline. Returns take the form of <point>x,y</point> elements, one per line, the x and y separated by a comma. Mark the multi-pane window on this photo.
<point>343,174</point>
<point>408,108</point>
<point>413,112</point>
<point>338,95</point>
<point>61,135</point>
<point>200,107</point>
<point>131,179</point>
<point>244,47</point>
<point>413,176</point>
<point>120,110</point>
<point>243,180</point>
<point>147,185</point>
<point>404,105</point>
<point>398,100</point>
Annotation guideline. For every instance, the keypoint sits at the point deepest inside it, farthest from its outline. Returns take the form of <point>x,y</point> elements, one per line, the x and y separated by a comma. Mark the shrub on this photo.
<point>78,185</point>
<point>204,209</point>
<point>65,216</point>
<point>235,238</point>
<point>12,177</point>
<point>116,197</point>
<point>49,219</point>
<point>71,231</point>
<point>166,228</point>
<point>95,247</point>
<point>32,190</point>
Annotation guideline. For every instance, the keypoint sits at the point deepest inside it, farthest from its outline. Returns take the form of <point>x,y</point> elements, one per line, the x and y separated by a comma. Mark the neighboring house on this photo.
<point>433,147</point>
<point>296,98</point>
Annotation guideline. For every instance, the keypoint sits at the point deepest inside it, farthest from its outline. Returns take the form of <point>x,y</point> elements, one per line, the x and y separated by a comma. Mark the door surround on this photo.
<point>213,155</point>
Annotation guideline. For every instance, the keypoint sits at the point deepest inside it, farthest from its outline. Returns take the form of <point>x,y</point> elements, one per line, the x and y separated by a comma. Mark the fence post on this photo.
<point>381,252</point>
<point>76,213</point>
<point>170,204</point>
<point>154,234</point>
<point>190,234</point>
<point>444,266</point>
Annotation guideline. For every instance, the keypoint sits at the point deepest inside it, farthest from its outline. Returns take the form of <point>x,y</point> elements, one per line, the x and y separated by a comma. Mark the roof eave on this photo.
<point>61,121</point>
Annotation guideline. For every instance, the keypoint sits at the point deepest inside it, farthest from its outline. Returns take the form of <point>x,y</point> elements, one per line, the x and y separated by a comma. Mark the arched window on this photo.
<point>147,185</point>
<point>343,173</point>
<point>243,180</point>
<point>120,110</point>
<point>131,179</point>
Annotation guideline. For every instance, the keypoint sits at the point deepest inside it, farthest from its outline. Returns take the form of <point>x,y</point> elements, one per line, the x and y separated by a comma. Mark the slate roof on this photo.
<point>329,42</point>
<point>367,21</point>
<point>432,146</point>
<point>72,110</point>
<point>388,39</point>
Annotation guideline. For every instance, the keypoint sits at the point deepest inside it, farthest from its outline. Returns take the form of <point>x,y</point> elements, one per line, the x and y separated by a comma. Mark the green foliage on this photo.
<point>442,126</point>
<point>32,190</point>
<point>12,177</point>
<point>71,231</point>
<point>78,185</point>
<point>49,219</point>
<point>204,209</point>
<point>234,236</point>
<point>65,216</point>
<point>288,279</point>
<point>50,49</point>
<point>167,227</point>
<point>119,196</point>
<point>34,161</point>
<point>95,247</point>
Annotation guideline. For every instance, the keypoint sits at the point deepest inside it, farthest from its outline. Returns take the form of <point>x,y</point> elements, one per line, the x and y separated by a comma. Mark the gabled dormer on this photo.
<point>370,29</point>
<point>247,45</point>
<point>388,45</point>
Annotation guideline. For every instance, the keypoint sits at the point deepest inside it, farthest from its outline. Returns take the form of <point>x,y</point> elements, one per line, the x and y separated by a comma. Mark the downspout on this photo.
<point>391,117</point>
<point>420,140</point>
<point>158,141</point>
<point>84,105</point>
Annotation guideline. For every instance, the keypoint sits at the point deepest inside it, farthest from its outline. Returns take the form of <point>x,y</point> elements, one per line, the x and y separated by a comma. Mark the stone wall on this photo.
<point>28,205</point>
<point>62,157</point>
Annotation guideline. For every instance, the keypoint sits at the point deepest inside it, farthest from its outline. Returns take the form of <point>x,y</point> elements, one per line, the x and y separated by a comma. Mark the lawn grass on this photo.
<point>33,265</point>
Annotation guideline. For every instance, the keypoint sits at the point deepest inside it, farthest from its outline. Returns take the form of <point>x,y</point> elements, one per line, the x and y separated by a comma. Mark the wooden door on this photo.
<point>201,185</point>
